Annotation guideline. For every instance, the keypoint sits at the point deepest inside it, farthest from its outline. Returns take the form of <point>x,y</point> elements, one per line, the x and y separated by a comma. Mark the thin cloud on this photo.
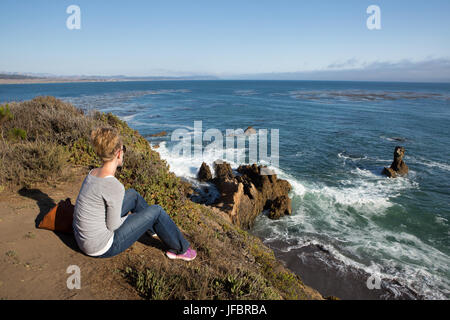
<point>350,63</point>
<point>431,70</point>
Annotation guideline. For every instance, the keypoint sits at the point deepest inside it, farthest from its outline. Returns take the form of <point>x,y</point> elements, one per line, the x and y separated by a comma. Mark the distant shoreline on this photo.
<point>27,81</point>
<point>64,80</point>
<point>54,80</point>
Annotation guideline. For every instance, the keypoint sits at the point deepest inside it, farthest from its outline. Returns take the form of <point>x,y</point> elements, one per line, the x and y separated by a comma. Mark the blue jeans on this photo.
<point>145,218</point>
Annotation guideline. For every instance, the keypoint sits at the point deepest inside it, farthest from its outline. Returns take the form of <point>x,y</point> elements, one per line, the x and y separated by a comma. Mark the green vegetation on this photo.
<point>13,256</point>
<point>232,264</point>
<point>5,113</point>
<point>16,133</point>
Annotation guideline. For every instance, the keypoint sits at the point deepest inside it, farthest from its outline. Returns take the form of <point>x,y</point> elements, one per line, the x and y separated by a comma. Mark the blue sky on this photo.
<point>222,38</point>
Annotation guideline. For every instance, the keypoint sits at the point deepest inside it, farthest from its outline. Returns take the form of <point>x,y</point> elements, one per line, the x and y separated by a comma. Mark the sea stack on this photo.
<point>398,166</point>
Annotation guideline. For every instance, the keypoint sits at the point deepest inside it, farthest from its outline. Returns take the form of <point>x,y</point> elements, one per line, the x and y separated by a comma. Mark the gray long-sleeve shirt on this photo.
<point>97,212</point>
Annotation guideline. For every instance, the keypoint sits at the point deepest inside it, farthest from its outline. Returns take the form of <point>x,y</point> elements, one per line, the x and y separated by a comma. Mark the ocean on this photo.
<point>334,140</point>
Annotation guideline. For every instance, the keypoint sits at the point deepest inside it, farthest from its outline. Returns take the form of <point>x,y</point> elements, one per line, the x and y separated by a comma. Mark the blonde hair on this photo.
<point>106,141</point>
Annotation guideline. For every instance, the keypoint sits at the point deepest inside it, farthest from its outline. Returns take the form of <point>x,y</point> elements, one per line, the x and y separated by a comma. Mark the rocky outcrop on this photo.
<point>204,173</point>
<point>279,207</point>
<point>398,166</point>
<point>223,171</point>
<point>252,190</point>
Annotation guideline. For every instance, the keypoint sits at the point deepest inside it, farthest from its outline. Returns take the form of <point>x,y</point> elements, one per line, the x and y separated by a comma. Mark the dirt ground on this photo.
<point>34,262</point>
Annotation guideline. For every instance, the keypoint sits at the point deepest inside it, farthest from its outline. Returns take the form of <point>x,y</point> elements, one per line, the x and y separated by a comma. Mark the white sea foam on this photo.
<point>429,163</point>
<point>245,92</point>
<point>363,190</point>
<point>188,165</point>
<point>343,155</point>
<point>387,161</point>
<point>441,220</point>
<point>398,139</point>
<point>127,118</point>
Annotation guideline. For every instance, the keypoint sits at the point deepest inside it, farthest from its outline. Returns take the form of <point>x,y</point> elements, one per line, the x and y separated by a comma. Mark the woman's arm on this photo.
<point>113,198</point>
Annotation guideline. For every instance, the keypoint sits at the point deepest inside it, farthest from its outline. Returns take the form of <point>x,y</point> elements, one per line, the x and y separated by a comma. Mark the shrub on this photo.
<point>5,114</point>
<point>16,134</point>
<point>149,284</point>
<point>23,164</point>
<point>49,119</point>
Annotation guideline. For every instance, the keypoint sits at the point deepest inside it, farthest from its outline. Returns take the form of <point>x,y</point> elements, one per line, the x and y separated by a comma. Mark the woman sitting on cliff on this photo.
<point>101,223</point>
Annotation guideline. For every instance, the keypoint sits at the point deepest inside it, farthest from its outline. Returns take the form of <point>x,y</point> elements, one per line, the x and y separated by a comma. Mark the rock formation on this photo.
<point>279,207</point>
<point>204,174</point>
<point>398,166</point>
<point>245,195</point>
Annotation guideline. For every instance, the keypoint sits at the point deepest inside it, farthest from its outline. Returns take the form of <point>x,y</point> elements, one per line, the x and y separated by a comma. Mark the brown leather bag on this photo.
<point>59,218</point>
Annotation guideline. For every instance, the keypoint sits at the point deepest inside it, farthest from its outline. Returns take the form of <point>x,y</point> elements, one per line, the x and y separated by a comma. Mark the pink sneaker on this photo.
<point>189,255</point>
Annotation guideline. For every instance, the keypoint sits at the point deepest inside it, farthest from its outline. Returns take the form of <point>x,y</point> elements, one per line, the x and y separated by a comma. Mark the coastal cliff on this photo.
<point>45,140</point>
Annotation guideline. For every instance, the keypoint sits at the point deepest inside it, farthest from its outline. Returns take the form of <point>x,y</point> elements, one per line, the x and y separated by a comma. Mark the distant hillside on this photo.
<point>45,77</point>
<point>16,76</point>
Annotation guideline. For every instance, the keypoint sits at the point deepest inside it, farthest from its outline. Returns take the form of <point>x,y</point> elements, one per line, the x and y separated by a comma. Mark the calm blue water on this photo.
<point>335,137</point>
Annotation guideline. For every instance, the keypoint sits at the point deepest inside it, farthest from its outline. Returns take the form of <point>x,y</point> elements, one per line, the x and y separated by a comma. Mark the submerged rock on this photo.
<point>400,139</point>
<point>253,189</point>
<point>398,166</point>
<point>249,130</point>
<point>159,134</point>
